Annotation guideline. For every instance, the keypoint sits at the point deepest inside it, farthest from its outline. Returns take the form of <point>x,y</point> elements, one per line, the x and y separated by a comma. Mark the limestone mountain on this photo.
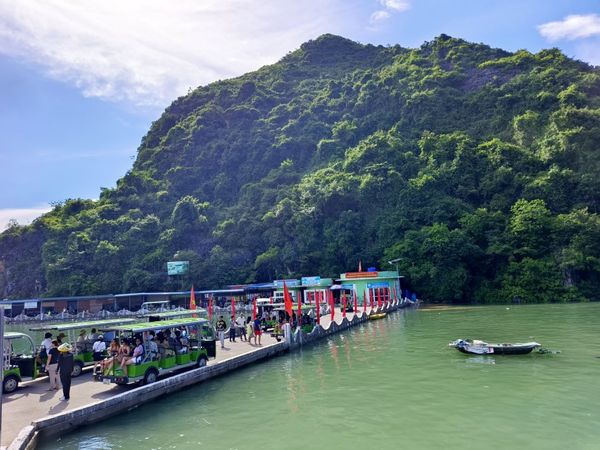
<point>478,167</point>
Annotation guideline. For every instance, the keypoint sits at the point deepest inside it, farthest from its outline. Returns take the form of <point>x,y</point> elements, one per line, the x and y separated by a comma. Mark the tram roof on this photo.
<point>180,313</point>
<point>160,325</point>
<point>87,324</point>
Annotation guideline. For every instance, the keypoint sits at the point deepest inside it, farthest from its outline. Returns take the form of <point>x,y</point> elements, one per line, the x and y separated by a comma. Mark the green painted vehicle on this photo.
<point>20,361</point>
<point>82,349</point>
<point>199,334</point>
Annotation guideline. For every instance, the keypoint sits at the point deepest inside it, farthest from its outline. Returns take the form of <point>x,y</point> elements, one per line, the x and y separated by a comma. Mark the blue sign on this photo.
<point>347,286</point>
<point>311,281</point>
<point>288,283</point>
<point>381,284</point>
<point>178,267</point>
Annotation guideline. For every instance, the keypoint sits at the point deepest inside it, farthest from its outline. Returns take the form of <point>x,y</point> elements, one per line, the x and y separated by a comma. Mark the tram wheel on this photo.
<point>77,369</point>
<point>10,384</point>
<point>151,376</point>
<point>202,361</point>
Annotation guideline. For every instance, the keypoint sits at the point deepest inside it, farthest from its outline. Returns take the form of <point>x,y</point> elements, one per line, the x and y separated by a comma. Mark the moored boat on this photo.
<point>478,347</point>
<point>377,316</point>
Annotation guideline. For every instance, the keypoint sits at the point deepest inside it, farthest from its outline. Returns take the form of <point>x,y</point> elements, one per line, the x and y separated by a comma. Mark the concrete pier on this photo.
<point>32,411</point>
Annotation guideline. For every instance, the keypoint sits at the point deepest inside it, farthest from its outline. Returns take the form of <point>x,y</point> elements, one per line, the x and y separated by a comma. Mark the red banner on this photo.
<point>332,305</point>
<point>210,308</point>
<point>365,301</point>
<point>232,308</point>
<point>254,309</point>
<point>317,298</point>
<point>371,299</point>
<point>287,300</point>
<point>344,303</point>
<point>193,299</point>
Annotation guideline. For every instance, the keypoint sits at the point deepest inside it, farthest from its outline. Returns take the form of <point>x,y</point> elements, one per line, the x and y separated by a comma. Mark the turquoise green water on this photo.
<point>391,384</point>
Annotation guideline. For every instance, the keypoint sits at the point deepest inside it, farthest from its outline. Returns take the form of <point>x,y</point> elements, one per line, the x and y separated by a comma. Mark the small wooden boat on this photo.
<point>478,347</point>
<point>377,316</point>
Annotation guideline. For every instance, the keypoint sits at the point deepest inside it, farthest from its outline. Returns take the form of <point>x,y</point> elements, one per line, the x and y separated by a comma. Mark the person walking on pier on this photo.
<point>257,330</point>
<point>52,366</point>
<point>221,325</point>
<point>250,330</point>
<point>232,329</point>
<point>65,368</point>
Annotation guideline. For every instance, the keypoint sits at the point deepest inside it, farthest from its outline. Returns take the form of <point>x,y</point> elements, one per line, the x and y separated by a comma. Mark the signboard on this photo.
<point>311,281</point>
<point>361,275</point>
<point>288,283</point>
<point>30,305</point>
<point>178,267</point>
<point>381,284</point>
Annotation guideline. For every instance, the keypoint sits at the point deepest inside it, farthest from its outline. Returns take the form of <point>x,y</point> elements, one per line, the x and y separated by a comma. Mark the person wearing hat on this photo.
<point>98,350</point>
<point>65,368</point>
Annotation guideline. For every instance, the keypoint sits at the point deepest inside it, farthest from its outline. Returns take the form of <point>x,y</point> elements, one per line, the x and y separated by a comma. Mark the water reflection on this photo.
<point>480,360</point>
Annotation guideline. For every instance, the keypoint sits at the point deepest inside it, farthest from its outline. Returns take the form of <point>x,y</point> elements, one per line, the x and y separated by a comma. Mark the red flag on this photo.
<point>344,303</point>
<point>395,295</point>
<point>254,309</point>
<point>371,299</point>
<point>318,307</point>
<point>271,300</point>
<point>210,308</point>
<point>365,300</point>
<point>287,300</point>
<point>355,302</point>
<point>299,310</point>
<point>233,307</point>
<point>332,303</point>
<point>192,299</point>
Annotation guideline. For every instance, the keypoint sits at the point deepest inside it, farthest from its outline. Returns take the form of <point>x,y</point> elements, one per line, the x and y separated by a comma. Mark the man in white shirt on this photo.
<point>98,351</point>
<point>47,342</point>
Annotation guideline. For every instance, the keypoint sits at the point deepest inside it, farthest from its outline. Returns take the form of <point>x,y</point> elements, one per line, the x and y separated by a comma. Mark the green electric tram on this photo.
<point>82,348</point>
<point>198,333</point>
<point>20,360</point>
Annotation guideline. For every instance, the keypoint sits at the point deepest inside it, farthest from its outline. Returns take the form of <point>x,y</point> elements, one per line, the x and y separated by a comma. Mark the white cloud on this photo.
<point>23,216</point>
<point>390,7</point>
<point>571,27</point>
<point>150,51</point>
<point>379,16</point>
<point>396,5</point>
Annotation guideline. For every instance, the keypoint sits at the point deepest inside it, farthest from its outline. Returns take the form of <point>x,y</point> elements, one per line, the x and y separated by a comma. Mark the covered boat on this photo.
<point>483,348</point>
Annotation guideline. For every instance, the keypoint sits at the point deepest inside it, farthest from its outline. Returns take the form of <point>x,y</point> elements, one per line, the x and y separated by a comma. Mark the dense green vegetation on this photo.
<point>476,166</point>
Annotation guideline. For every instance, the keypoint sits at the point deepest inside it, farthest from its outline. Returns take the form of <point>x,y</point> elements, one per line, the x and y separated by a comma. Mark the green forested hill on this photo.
<point>476,166</point>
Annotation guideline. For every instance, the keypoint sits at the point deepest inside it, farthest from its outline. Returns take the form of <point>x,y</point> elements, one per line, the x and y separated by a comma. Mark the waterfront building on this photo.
<point>372,283</point>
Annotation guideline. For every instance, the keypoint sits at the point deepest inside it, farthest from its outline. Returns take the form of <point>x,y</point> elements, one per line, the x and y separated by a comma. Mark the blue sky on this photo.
<point>81,82</point>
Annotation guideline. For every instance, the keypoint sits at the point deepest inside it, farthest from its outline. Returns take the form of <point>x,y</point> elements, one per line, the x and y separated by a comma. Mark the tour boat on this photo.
<point>478,347</point>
